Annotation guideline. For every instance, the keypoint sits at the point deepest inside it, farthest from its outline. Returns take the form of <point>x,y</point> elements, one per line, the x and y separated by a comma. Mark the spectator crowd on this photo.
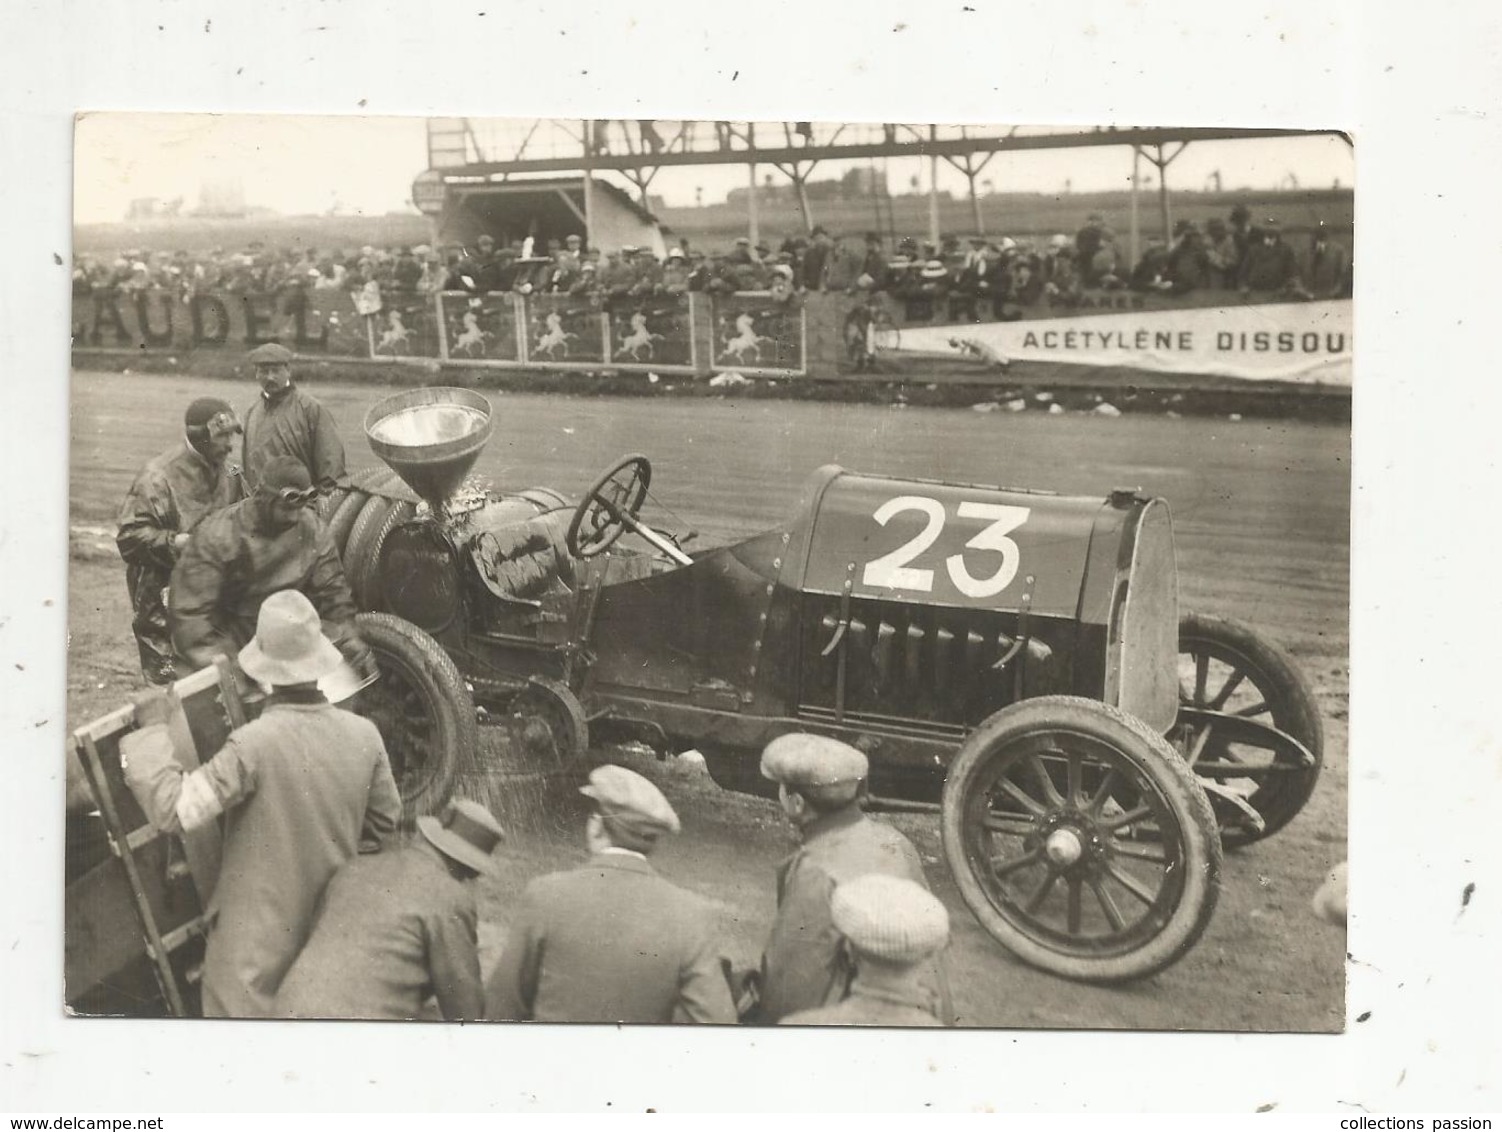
<point>952,280</point>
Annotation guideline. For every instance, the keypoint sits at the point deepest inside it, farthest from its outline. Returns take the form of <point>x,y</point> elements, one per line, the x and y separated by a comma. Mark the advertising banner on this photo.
<point>308,322</point>
<point>1306,343</point>
<point>655,333</point>
<point>480,328</point>
<point>756,334</point>
<point>404,327</point>
<point>565,330</point>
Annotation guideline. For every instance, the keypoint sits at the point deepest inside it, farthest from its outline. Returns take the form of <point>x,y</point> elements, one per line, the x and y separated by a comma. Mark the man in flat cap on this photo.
<point>891,927</point>
<point>1269,265</point>
<point>612,941</point>
<point>238,557</point>
<point>302,788</point>
<point>167,499</point>
<point>820,782</point>
<point>285,421</point>
<point>397,928</point>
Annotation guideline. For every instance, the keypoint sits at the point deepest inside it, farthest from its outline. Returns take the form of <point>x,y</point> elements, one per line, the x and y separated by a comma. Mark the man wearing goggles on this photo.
<point>240,556</point>
<point>285,421</point>
<point>168,498</point>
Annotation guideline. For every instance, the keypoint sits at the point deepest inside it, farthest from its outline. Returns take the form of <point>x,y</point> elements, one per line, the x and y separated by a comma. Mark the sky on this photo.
<point>308,165</point>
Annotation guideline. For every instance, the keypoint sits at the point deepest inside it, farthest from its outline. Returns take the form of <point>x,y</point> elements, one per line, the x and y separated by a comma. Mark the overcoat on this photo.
<point>393,929</point>
<point>301,788</point>
<point>169,496</point>
<point>294,424</point>
<point>231,565</point>
<point>610,941</point>
<point>870,1006</point>
<point>805,965</point>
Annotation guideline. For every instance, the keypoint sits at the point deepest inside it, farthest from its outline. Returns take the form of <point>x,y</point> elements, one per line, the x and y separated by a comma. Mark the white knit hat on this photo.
<point>889,918</point>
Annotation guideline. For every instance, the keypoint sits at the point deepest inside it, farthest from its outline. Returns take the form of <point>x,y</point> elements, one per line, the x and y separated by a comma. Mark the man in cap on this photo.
<point>285,421</point>
<point>675,272</point>
<point>874,263</point>
<point>780,287</point>
<point>302,788</point>
<point>397,928</point>
<point>1328,274</point>
<point>1221,252</point>
<point>891,928</point>
<point>820,782</point>
<point>167,499</point>
<point>1270,264</point>
<point>741,252</point>
<point>1087,240</point>
<point>238,557</point>
<point>814,269</point>
<point>612,941</point>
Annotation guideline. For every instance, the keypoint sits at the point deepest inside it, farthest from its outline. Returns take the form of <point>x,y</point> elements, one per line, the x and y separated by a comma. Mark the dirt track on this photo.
<point>1261,512</point>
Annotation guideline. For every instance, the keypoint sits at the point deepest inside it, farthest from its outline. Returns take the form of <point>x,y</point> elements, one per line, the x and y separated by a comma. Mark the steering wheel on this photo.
<point>609,507</point>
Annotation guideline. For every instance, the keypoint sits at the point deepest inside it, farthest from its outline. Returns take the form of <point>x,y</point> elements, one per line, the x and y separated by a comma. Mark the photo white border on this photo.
<point>1419,89</point>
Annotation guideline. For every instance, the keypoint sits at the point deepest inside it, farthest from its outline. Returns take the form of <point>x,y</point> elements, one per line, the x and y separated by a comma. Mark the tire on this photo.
<point>1103,766</point>
<point>371,479</point>
<point>366,524</point>
<point>1266,677</point>
<point>424,710</point>
<point>383,481</point>
<point>365,573</point>
<point>328,504</point>
<point>343,518</point>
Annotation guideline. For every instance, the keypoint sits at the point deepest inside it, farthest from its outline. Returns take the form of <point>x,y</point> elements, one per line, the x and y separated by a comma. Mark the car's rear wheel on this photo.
<point>1080,840</point>
<point>423,709</point>
<point>1241,699</point>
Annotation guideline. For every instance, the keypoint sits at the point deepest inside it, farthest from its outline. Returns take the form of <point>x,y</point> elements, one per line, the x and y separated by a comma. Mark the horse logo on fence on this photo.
<point>639,339</point>
<point>746,344</point>
<point>553,337</point>
<point>397,333</point>
<point>473,337</point>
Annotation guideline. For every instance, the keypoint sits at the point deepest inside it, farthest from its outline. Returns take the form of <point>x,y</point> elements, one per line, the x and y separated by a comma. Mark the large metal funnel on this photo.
<point>430,437</point>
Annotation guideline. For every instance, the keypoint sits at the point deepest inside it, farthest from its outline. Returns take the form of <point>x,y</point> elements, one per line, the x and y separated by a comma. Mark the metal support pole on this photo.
<point>801,184</point>
<point>1134,240</point>
<point>752,227</point>
<point>589,184</point>
<point>980,223</point>
<point>933,189</point>
<point>1163,192</point>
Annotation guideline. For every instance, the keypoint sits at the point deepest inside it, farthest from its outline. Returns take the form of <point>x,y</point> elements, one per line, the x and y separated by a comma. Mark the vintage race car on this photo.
<point>1013,661</point>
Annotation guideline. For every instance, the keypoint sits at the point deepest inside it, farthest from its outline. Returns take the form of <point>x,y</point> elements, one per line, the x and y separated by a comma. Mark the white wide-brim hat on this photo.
<point>289,645</point>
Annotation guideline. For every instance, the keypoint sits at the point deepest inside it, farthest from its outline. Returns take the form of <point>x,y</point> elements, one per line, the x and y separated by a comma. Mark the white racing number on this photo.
<point>893,572</point>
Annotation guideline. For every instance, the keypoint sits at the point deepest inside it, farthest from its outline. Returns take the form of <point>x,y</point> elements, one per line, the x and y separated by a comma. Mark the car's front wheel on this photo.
<point>1080,840</point>
<point>424,710</point>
